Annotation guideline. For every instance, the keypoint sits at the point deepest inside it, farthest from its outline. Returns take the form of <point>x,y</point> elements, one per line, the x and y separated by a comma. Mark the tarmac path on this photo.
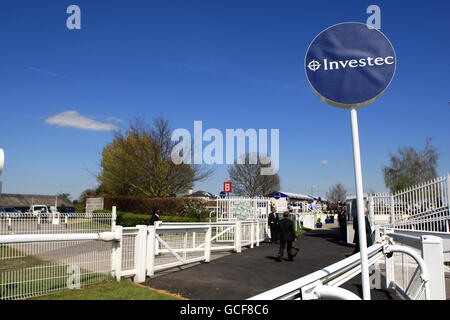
<point>238,276</point>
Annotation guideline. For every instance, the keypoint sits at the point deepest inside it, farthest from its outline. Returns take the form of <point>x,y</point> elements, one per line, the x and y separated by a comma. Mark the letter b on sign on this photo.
<point>227,187</point>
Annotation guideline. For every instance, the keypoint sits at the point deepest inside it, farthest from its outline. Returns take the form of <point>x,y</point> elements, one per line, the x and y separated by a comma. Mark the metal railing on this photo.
<point>25,223</point>
<point>38,264</point>
<point>424,207</point>
<point>325,283</point>
<point>402,271</point>
<point>49,252</point>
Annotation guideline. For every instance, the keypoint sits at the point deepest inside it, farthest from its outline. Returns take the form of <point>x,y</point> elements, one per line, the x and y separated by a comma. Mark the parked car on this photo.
<point>10,212</point>
<point>70,212</point>
<point>40,210</point>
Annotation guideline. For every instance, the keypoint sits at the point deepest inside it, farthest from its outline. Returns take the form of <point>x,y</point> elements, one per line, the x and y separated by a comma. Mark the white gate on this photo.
<point>229,209</point>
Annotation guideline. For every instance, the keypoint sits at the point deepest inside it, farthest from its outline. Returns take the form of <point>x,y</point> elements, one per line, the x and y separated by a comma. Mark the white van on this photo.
<point>38,209</point>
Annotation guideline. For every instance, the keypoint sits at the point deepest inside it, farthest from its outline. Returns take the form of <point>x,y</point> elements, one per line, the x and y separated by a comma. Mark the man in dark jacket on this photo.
<point>274,222</point>
<point>342,218</point>
<point>287,236</point>
<point>155,216</point>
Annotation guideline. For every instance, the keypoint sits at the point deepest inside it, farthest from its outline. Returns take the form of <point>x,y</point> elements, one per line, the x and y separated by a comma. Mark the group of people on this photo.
<point>283,232</point>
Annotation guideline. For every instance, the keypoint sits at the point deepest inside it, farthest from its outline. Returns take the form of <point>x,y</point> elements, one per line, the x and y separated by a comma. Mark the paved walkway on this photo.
<point>238,276</point>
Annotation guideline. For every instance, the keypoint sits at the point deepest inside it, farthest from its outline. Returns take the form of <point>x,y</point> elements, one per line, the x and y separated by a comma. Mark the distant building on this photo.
<point>200,194</point>
<point>350,202</point>
<point>23,202</point>
<point>291,201</point>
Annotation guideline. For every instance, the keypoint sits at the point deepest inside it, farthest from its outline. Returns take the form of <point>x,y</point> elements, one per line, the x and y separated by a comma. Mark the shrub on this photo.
<point>169,206</point>
<point>195,209</point>
<point>130,219</point>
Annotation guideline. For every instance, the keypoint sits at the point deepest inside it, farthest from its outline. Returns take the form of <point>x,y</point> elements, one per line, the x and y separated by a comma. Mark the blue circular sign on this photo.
<point>350,64</point>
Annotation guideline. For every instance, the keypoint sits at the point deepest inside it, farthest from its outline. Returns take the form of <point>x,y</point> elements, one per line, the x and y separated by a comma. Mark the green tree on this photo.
<point>138,163</point>
<point>410,167</point>
<point>65,196</point>
<point>247,179</point>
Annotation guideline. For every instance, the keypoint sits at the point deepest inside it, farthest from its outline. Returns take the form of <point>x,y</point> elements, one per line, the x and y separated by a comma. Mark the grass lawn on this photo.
<point>109,290</point>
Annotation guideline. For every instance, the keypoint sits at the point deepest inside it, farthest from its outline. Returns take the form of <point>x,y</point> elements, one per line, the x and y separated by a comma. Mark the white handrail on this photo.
<point>293,289</point>
<point>23,238</point>
<point>423,267</point>
<point>330,292</point>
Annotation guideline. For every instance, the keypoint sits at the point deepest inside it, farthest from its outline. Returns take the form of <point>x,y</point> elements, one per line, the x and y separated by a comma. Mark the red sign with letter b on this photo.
<point>227,187</point>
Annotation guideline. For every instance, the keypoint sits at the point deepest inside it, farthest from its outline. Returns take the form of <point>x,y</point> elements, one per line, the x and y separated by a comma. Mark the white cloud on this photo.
<point>324,162</point>
<point>75,120</point>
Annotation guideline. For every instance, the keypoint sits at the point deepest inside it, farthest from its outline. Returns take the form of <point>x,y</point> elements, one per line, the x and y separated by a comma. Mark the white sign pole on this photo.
<point>360,206</point>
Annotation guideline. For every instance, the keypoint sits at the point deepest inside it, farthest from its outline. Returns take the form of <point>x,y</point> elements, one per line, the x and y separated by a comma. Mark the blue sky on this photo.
<point>230,64</point>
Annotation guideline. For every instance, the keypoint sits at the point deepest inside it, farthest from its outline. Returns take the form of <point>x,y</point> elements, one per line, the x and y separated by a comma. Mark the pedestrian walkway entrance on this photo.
<point>241,276</point>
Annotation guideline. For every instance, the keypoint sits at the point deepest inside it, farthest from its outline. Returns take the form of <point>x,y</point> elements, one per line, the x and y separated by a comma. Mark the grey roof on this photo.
<point>26,200</point>
<point>202,194</point>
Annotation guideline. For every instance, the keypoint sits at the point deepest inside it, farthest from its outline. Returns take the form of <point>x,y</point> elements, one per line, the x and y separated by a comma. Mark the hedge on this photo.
<point>170,206</point>
<point>130,219</point>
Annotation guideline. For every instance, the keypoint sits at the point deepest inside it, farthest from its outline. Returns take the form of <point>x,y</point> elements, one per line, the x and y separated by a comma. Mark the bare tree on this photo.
<point>247,179</point>
<point>337,193</point>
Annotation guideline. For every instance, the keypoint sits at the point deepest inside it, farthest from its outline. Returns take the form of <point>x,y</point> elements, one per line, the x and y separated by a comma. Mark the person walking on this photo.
<point>155,216</point>
<point>342,219</point>
<point>287,236</point>
<point>274,222</point>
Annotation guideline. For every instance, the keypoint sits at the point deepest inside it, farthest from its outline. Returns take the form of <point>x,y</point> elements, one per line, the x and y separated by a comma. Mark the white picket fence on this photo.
<point>38,257</point>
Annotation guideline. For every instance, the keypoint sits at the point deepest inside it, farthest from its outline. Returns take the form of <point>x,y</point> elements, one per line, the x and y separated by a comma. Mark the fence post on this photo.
<point>151,250</point>
<point>432,254</point>
<point>389,262</point>
<point>392,210</point>
<point>448,202</point>
<point>237,236</point>
<point>116,255</point>
<point>252,234</point>
<point>257,233</point>
<point>371,213</point>
<point>208,244</point>
<point>157,223</point>
<point>113,218</point>
<point>139,253</point>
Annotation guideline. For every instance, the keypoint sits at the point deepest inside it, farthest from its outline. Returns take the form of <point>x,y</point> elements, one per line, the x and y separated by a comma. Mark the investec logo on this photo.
<point>314,65</point>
